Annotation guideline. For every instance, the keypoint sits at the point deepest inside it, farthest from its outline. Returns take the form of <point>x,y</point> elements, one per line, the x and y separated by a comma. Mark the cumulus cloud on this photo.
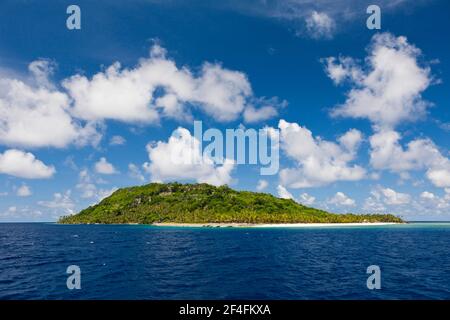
<point>102,166</point>
<point>306,199</point>
<point>388,90</point>
<point>373,204</point>
<point>62,203</point>
<point>37,115</point>
<point>24,191</point>
<point>113,94</point>
<point>252,115</point>
<point>341,199</point>
<point>427,195</point>
<point>382,200</point>
<point>222,93</point>
<point>342,68</point>
<point>388,154</point>
<point>262,184</point>
<point>24,165</point>
<point>25,213</point>
<point>319,162</point>
<point>135,173</point>
<point>320,25</point>
<point>104,193</point>
<point>157,86</point>
<point>268,108</point>
<point>85,185</point>
<point>431,201</point>
<point>180,158</point>
<point>89,189</point>
<point>391,197</point>
<point>41,70</point>
<point>426,204</point>
<point>440,177</point>
<point>283,193</point>
<point>117,141</point>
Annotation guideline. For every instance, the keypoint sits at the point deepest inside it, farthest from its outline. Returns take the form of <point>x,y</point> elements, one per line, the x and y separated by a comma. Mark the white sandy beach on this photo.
<point>274,225</point>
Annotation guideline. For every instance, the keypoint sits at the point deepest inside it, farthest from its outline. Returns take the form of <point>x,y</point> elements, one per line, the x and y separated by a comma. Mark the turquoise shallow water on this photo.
<point>144,262</point>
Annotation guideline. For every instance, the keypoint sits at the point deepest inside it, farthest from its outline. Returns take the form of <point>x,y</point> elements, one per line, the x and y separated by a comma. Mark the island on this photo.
<point>176,204</point>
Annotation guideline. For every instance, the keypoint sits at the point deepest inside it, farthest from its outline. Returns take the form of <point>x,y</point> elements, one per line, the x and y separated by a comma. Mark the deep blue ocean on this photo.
<point>144,262</point>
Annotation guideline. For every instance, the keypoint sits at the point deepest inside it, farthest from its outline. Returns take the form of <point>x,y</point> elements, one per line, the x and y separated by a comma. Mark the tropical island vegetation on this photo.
<point>204,203</point>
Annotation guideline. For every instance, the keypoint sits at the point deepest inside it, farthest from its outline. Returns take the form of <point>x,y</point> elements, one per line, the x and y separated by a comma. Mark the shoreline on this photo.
<point>272,225</point>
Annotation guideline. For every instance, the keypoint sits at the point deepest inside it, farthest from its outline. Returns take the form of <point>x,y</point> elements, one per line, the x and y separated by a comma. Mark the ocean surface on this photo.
<point>144,262</point>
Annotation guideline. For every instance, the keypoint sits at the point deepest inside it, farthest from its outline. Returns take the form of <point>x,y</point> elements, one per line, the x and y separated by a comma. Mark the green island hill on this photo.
<point>203,203</point>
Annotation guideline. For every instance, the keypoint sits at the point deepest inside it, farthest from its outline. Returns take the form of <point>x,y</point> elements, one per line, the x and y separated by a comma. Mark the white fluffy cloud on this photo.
<point>135,173</point>
<point>37,115</point>
<point>252,115</point>
<point>117,141</point>
<point>25,213</point>
<point>268,108</point>
<point>104,193</point>
<point>41,69</point>
<point>388,154</point>
<point>373,204</point>
<point>222,93</point>
<point>34,113</point>
<point>319,162</point>
<point>89,189</point>
<point>425,205</point>
<point>113,94</point>
<point>306,199</point>
<point>23,191</point>
<point>158,86</point>
<point>24,165</point>
<point>341,199</point>
<point>102,166</point>
<point>61,203</point>
<point>435,202</point>
<point>283,193</point>
<point>388,89</point>
<point>86,185</point>
<point>382,200</point>
<point>440,177</point>
<point>391,197</point>
<point>427,195</point>
<point>262,184</point>
<point>180,159</point>
<point>320,25</point>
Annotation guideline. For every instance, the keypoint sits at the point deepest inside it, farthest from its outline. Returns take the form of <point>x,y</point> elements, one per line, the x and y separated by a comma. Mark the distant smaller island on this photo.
<point>202,204</point>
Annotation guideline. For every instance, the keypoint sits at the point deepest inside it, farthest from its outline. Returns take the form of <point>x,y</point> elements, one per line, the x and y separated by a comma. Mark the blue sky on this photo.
<point>363,114</point>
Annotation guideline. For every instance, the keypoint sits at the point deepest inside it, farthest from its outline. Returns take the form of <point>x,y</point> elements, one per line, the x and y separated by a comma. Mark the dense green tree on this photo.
<point>203,203</point>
